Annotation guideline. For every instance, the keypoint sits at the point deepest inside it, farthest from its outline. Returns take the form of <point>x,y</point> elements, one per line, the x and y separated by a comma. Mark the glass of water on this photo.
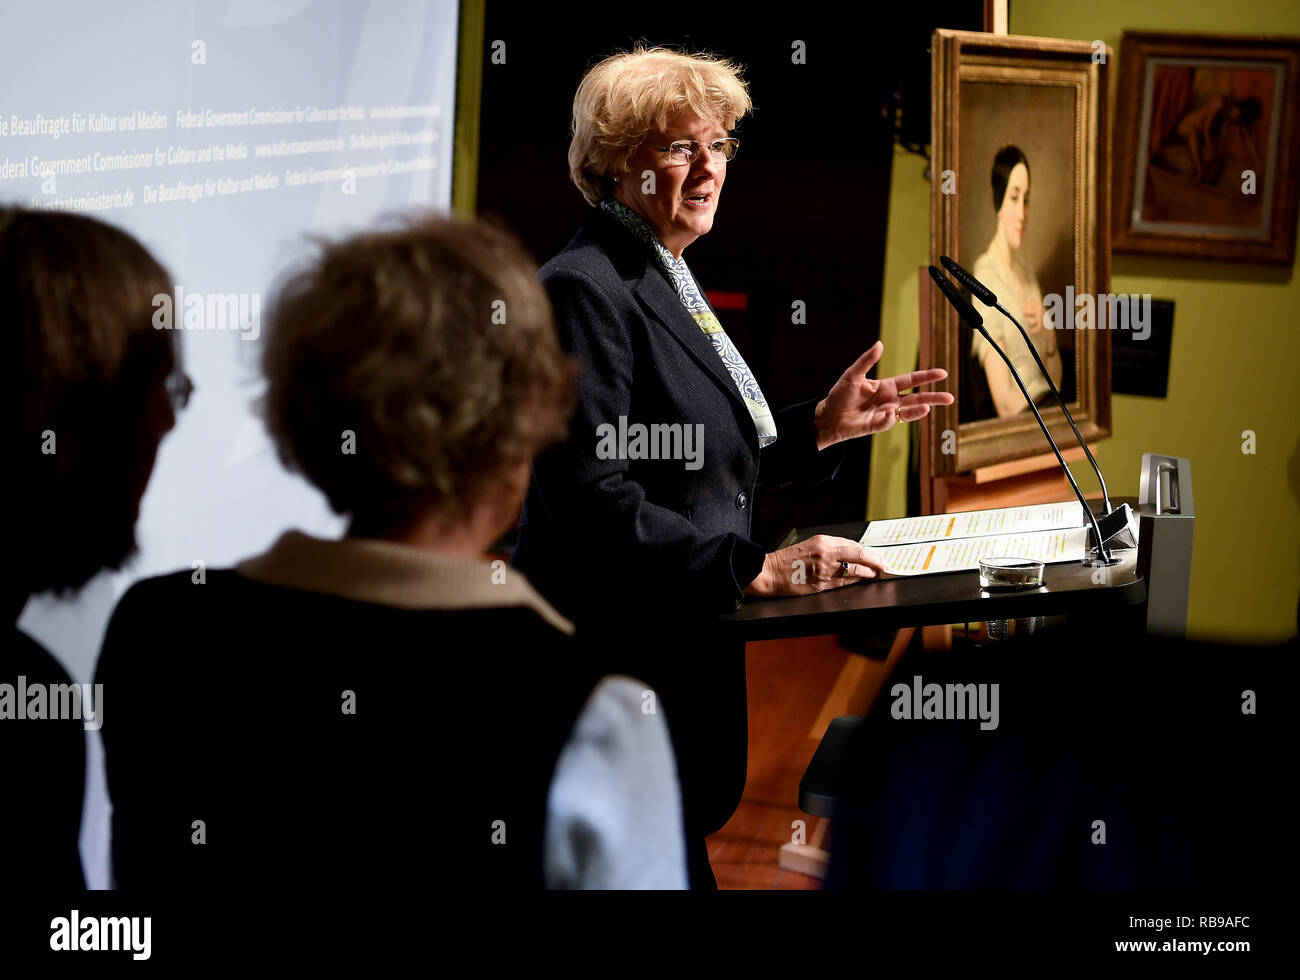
<point>1010,574</point>
<point>1002,575</point>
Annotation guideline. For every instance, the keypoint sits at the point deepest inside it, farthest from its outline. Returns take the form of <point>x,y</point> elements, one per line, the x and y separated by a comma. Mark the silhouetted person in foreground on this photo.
<point>85,405</point>
<point>394,705</point>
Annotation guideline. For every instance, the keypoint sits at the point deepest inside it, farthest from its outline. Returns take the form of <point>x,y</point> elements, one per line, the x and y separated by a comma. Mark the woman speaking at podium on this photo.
<point>638,525</point>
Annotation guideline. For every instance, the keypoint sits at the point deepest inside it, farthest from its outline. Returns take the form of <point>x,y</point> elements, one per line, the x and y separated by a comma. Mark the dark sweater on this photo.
<point>229,705</point>
<point>43,762</point>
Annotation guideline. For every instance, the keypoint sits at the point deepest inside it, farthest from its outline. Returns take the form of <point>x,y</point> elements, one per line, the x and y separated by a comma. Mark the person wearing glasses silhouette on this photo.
<point>628,526</point>
<point>90,390</point>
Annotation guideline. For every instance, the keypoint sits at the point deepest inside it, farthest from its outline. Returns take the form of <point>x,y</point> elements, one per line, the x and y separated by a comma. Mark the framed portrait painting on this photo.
<point>1021,198</point>
<point>1207,146</point>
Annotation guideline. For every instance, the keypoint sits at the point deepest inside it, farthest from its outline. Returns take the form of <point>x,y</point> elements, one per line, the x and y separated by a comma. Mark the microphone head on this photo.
<point>967,313</point>
<point>973,286</point>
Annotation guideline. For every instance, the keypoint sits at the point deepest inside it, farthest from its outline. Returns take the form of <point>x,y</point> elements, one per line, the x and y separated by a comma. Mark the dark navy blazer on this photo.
<point>640,550</point>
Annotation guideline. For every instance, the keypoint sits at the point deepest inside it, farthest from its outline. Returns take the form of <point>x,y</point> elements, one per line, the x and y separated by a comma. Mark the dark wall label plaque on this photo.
<point>1141,366</point>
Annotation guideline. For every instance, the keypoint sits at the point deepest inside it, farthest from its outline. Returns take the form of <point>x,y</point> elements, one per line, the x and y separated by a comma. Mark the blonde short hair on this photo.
<point>630,94</point>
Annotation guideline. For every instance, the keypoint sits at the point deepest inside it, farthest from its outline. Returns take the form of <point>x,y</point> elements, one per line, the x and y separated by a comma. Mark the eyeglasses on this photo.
<point>179,389</point>
<point>688,151</point>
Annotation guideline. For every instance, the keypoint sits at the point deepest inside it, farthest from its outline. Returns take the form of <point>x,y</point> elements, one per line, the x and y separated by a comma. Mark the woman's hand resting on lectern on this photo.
<point>820,563</point>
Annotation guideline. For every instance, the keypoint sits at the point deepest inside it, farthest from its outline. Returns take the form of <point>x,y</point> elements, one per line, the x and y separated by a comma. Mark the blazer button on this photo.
<point>742,500</point>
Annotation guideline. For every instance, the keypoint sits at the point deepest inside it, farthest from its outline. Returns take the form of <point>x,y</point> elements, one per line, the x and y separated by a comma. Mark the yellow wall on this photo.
<point>1235,363</point>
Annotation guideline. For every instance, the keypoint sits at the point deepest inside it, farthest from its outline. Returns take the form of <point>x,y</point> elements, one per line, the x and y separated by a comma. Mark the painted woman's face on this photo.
<point>1015,206</point>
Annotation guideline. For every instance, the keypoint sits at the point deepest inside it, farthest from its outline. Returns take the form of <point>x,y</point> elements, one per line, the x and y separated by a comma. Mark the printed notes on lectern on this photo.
<point>939,543</point>
<point>974,523</point>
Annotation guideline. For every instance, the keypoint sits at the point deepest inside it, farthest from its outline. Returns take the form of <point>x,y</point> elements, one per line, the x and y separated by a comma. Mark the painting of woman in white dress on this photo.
<point>1018,121</point>
<point>1004,270</point>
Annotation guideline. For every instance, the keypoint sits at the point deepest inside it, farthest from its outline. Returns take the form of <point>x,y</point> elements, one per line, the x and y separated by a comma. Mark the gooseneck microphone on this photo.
<point>972,319</point>
<point>985,295</point>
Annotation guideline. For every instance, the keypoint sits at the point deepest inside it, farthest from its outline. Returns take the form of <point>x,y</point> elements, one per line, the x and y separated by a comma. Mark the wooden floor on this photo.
<point>795,688</point>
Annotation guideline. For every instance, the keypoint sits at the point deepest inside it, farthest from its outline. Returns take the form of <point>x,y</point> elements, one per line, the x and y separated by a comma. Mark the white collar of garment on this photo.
<point>398,575</point>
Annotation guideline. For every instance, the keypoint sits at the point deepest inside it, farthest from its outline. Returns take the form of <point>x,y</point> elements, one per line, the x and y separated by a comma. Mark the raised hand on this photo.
<point>860,406</point>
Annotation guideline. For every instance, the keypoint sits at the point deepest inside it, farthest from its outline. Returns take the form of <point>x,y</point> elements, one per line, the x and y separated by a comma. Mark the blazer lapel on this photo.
<point>657,296</point>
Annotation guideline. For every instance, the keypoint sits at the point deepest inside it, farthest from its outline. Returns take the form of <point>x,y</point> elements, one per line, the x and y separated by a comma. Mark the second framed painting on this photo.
<point>1020,171</point>
<point>1208,143</point>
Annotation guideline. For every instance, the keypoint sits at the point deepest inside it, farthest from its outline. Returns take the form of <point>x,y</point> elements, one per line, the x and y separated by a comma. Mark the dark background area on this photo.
<point>804,211</point>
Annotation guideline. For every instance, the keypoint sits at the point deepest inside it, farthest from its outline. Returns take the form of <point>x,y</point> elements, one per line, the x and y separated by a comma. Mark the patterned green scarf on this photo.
<point>691,298</point>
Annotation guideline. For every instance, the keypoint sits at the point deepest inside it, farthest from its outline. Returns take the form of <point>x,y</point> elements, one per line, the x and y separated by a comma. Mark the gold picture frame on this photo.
<point>1050,95</point>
